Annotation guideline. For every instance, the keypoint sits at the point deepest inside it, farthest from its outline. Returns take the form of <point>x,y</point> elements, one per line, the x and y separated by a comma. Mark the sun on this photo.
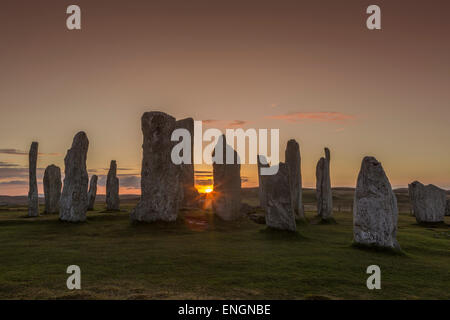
<point>208,190</point>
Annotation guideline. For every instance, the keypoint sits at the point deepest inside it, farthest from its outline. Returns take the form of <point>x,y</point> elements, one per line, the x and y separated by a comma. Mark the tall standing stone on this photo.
<point>293,161</point>
<point>74,199</point>
<point>112,188</point>
<point>190,193</point>
<point>33,197</point>
<point>92,193</point>
<point>280,212</point>
<point>323,187</point>
<point>160,177</point>
<point>52,188</point>
<point>375,211</point>
<point>428,202</point>
<point>227,183</point>
<point>447,208</point>
<point>262,163</point>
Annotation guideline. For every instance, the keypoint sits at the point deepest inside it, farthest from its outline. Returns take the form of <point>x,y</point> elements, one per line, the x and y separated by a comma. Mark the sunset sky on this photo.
<point>310,68</point>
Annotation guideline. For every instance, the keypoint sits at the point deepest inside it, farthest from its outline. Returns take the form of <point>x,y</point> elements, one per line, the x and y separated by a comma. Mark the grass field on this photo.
<point>200,257</point>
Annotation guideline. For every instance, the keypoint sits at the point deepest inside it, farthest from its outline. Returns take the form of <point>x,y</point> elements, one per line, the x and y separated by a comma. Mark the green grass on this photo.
<point>200,257</point>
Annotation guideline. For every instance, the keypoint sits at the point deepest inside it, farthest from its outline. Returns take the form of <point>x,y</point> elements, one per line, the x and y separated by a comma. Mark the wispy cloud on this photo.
<point>314,116</point>
<point>22,153</point>
<point>226,123</point>
<point>14,183</point>
<point>127,181</point>
<point>12,151</point>
<point>8,165</point>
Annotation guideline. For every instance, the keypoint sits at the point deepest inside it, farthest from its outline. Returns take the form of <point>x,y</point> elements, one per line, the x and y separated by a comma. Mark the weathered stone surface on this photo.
<point>74,200</point>
<point>323,187</point>
<point>428,202</point>
<point>375,211</point>
<point>447,208</point>
<point>52,188</point>
<point>33,197</point>
<point>92,193</point>
<point>262,163</point>
<point>227,184</point>
<point>160,177</point>
<point>112,188</point>
<point>279,207</point>
<point>189,192</point>
<point>293,161</point>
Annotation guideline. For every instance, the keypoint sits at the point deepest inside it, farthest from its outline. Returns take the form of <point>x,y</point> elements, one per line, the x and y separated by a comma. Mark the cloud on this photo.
<point>14,173</point>
<point>8,165</point>
<point>226,123</point>
<point>125,181</point>
<point>206,182</point>
<point>23,153</point>
<point>13,151</point>
<point>314,116</point>
<point>238,123</point>
<point>14,183</point>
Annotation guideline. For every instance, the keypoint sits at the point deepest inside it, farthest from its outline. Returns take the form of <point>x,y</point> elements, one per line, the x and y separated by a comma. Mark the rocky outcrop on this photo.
<point>323,187</point>
<point>279,206</point>
<point>189,192</point>
<point>227,183</point>
<point>160,177</point>
<point>92,193</point>
<point>52,188</point>
<point>428,202</point>
<point>112,188</point>
<point>33,197</point>
<point>74,199</point>
<point>447,208</point>
<point>293,161</point>
<point>375,211</point>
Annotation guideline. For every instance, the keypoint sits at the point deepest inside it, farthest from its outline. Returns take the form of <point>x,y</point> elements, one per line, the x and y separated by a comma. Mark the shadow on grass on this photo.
<point>433,225</point>
<point>319,220</point>
<point>378,249</point>
<point>281,235</point>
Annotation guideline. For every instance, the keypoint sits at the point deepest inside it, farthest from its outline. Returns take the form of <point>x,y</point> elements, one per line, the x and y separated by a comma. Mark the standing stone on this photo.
<point>227,183</point>
<point>280,213</point>
<point>112,188</point>
<point>323,187</point>
<point>52,188</point>
<point>160,177</point>
<point>262,163</point>
<point>33,197</point>
<point>375,211</point>
<point>293,161</point>
<point>92,193</point>
<point>189,192</point>
<point>74,199</point>
<point>447,208</point>
<point>428,202</point>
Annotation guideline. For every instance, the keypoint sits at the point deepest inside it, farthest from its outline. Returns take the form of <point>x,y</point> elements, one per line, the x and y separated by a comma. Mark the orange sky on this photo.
<point>309,68</point>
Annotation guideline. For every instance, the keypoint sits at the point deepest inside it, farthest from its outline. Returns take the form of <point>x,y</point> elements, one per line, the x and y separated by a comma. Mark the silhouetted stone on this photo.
<point>375,211</point>
<point>160,177</point>
<point>74,199</point>
<point>262,163</point>
<point>52,188</point>
<point>92,193</point>
<point>112,188</point>
<point>323,187</point>
<point>428,202</point>
<point>293,160</point>
<point>189,192</point>
<point>447,208</point>
<point>227,184</point>
<point>279,206</point>
<point>33,197</point>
